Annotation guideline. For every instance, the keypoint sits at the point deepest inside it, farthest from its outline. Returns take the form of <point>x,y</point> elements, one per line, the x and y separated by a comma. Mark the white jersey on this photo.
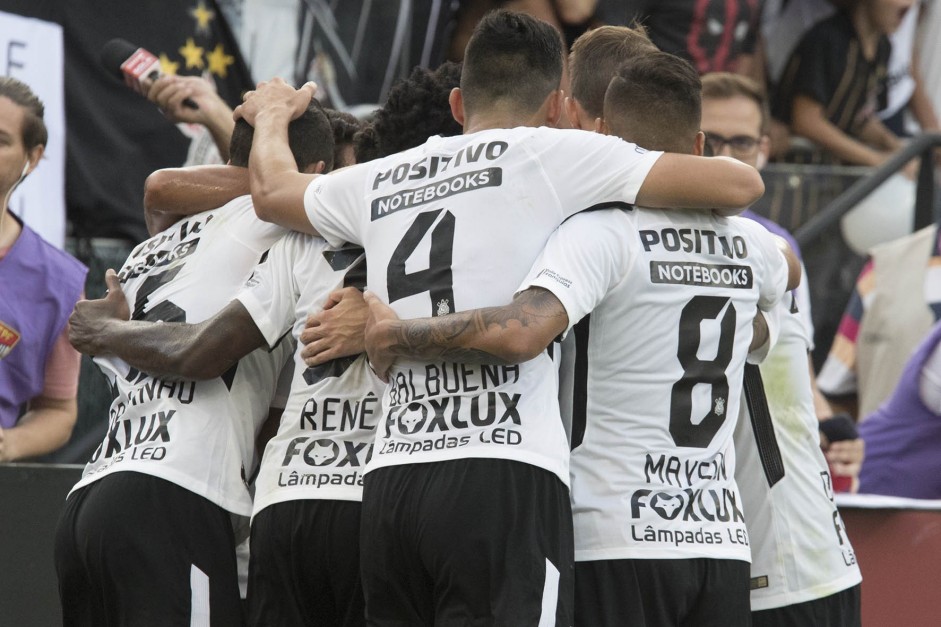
<point>800,550</point>
<point>197,434</point>
<point>658,375</point>
<point>326,432</point>
<point>453,225</point>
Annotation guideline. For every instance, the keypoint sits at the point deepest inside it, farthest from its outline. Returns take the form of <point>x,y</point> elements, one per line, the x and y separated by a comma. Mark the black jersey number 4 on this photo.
<point>436,279</point>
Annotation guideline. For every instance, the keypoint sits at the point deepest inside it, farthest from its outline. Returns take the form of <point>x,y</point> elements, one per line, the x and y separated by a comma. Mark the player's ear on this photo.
<point>315,168</point>
<point>571,112</point>
<point>601,126</point>
<point>699,144</point>
<point>554,107</point>
<point>456,100</point>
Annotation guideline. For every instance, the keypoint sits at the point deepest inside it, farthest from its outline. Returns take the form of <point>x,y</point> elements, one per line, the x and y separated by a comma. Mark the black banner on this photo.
<point>115,138</point>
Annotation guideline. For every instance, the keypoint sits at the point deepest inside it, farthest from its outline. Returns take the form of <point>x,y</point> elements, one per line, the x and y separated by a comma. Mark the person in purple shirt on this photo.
<point>903,436</point>
<point>39,286</point>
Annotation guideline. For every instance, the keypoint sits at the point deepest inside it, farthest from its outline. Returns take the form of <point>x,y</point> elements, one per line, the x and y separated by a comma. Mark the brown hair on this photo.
<point>596,57</point>
<point>725,85</point>
<point>654,100</point>
<point>34,128</point>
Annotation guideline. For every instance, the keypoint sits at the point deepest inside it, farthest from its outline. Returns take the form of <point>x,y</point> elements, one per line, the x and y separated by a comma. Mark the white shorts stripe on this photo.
<point>550,596</point>
<point>199,598</point>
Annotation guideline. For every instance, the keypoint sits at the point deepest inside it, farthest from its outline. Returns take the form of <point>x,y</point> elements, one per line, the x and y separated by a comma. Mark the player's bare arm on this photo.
<point>793,263</point>
<point>173,193</point>
<point>722,184</point>
<point>498,335</point>
<point>276,185</point>
<point>164,350</point>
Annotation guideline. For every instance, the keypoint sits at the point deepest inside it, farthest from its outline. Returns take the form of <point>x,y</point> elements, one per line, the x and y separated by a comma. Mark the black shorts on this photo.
<point>467,542</point>
<point>138,551</point>
<point>841,609</point>
<point>304,566</point>
<point>662,593</point>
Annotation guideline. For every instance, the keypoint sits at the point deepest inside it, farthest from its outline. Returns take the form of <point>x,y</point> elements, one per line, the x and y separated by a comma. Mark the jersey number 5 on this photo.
<point>695,371</point>
<point>436,279</point>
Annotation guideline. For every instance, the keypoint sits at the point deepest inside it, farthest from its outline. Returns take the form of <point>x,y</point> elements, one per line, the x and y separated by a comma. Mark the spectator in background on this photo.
<point>714,35</point>
<point>896,300</point>
<point>929,52</point>
<point>903,436</point>
<point>800,567</point>
<point>905,85</point>
<point>39,286</point>
<point>830,89</point>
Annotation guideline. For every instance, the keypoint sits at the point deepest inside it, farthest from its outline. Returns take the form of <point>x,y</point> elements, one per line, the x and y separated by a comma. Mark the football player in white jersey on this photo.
<point>660,535</point>
<point>305,526</point>
<point>146,537</point>
<point>803,569</point>
<point>465,505</point>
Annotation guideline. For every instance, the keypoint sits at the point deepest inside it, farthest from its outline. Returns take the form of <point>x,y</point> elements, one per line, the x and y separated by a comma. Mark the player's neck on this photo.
<point>501,119</point>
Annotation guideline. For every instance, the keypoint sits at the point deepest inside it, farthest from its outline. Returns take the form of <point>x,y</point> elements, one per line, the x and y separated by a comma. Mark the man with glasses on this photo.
<point>803,568</point>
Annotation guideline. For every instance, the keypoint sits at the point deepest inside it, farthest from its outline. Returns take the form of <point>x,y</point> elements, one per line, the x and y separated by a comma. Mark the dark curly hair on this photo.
<point>416,109</point>
<point>345,126</point>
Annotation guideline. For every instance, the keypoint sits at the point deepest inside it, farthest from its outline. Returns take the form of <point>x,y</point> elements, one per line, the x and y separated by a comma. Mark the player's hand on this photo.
<point>276,97</point>
<point>846,458</point>
<point>337,330</point>
<point>169,92</point>
<point>88,322</point>
<point>380,326</point>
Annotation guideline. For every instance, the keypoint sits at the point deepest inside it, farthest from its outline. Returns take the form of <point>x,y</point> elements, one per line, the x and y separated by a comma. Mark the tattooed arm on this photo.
<point>509,334</point>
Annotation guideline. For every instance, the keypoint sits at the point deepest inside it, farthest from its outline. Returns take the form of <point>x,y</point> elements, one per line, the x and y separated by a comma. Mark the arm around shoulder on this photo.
<point>173,193</point>
<point>721,184</point>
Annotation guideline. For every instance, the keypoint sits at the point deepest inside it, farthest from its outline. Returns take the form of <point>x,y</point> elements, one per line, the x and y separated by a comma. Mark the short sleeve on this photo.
<point>813,69</point>
<point>583,259</point>
<point>335,205</point>
<point>773,268</point>
<point>270,294</point>
<point>813,75</point>
<point>244,225</point>
<point>802,294</point>
<point>62,368</point>
<point>592,171</point>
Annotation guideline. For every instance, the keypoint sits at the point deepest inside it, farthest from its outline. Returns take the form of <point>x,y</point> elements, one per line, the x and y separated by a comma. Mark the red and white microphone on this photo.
<point>133,66</point>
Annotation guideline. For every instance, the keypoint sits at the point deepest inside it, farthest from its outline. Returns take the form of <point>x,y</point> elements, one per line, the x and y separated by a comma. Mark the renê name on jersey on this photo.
<point>344,422</point>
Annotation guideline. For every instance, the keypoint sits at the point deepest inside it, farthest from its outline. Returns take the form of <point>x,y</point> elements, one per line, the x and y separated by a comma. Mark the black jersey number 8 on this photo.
<point>696,370</point>
<point>436,279</point>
